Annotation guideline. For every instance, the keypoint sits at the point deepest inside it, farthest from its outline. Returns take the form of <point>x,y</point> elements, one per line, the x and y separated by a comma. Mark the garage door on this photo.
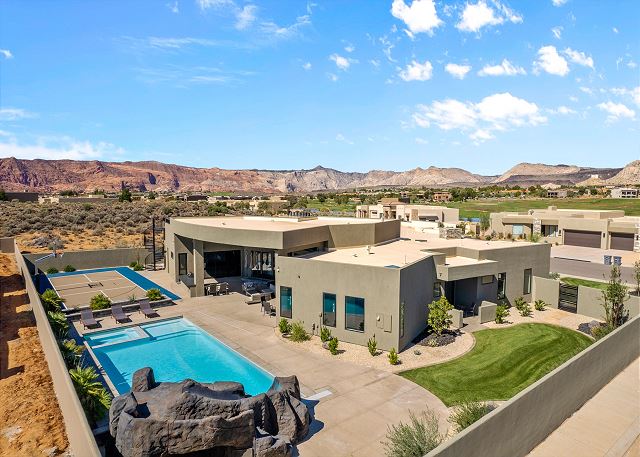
<point>582,238</point>
<point>622,241</point>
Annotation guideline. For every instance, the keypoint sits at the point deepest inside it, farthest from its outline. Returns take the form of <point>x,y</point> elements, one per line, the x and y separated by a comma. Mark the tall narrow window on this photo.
<point>437,290</point>
<point>354,313</point>
<point>401,319</point>
<point>526,289</point>
<point>286,302</point>
<point>329,310</point>
<point>182,263</point>
<point>502,285</point>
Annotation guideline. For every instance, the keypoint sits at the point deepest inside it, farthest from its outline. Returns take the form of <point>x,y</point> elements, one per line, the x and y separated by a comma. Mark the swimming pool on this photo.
<point>176,349</point>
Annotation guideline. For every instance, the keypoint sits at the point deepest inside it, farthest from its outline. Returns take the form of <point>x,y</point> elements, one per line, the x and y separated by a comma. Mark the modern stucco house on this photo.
<point>604,229</point>
<point>401,209</point>
<point>356,276</point>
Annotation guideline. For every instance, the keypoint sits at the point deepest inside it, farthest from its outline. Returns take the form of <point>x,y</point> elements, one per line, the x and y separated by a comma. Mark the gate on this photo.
<point>568,300</point>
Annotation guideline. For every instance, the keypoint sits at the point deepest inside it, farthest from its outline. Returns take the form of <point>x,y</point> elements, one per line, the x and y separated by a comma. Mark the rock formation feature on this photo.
<point>169,419</point>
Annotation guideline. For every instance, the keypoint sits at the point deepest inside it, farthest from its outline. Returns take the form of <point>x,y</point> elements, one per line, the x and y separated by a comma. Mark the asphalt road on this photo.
<point>599,272</point>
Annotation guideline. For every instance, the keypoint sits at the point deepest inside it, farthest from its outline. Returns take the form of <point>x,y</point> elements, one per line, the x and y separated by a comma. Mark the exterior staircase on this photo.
<point>154,244</point>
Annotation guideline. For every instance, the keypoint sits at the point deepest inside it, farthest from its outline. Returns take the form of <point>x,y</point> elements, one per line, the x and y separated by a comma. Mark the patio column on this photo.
<point>198,267</point>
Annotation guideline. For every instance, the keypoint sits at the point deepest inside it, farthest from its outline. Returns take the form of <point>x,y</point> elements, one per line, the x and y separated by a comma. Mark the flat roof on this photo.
<point>274,224</point>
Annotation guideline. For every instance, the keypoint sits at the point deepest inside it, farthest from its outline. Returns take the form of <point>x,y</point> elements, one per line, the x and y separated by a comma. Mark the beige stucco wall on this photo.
<point>546,289</point>
<point>520,424</point>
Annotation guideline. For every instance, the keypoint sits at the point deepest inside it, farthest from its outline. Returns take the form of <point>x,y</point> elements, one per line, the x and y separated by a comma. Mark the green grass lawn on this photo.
<point>584,282</point>
<point>501,364</point>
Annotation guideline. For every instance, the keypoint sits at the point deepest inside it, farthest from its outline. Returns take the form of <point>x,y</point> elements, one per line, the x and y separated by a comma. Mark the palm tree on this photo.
<point>93,396</point>
<point>71,352</point>
<point>59,324</point>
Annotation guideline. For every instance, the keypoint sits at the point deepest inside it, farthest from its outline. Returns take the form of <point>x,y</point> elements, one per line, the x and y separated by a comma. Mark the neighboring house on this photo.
<point>22,196</point>
<point>88,198</point>
<point>557,193</point>
<point>391,208</point>
<point>604,229</point>
<point>441,197</point>
<point>627,192</point>
<point>356,276</point>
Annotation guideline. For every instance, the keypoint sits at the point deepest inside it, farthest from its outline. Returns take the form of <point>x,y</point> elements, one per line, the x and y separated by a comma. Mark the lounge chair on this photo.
<point>118,314</point>
<point>87,319</point>
<point>146,309</point>
<point>223,288</point>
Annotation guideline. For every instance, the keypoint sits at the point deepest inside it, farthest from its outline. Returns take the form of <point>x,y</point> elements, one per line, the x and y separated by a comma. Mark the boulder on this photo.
<point>143,380</point>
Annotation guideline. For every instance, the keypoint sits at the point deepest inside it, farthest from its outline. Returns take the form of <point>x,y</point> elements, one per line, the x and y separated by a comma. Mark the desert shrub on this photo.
<point>325,334</point>
<point>154,294</point>
<point>99,301</point>
<point>93,396</point>
<point>136,266</point>
<point>52,270</point>
<point>501,314</point>
<point>554,275</point>
<point>50,300</point>
<point>71,352</point>
<point>393,357</point>
<point>414,439</point>
<point>519,302</point>
<point>539,305</point>
<point>434,340</point>
<point>439,319</point>
<point>525,309</point>
<point>468,412</point>
<point>69,268</point>
<point>372,345</point>
<point>298,332</point>
<point>59,324</point>
<point>602,330</point>
<point>333,345</point>
<point>284,326</point>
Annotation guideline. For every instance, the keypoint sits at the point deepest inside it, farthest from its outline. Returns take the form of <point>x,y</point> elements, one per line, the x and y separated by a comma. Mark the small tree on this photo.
<point>501,314</point>
<point>325,334</point>
<point>125,195</point>
<point>50,300</point>
<point>485,221</point>
<point>154,294</point>
<point>636,275</point>
<point>439,319</point>
<point>333,345</point>
<point>613,298</point>
<point>372,345</point>
<point>99,301</point>
<point>93,396</point>
<point>393,357</point>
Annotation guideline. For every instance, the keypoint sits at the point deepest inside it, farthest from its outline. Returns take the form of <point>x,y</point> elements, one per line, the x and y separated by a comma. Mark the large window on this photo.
<point>286,302</point>
<point>262,264</point>
<point>517,229</point>
<point>329,310</point>
<point>526,288</point>
<point>502,285</point>
<point>182,263</point>
<point>354,313</point>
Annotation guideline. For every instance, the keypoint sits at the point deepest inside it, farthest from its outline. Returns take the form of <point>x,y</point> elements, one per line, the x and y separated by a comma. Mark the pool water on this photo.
<point>176,350</point>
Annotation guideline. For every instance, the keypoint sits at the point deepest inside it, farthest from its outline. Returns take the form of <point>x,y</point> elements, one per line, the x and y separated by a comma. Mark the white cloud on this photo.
<point>559,2</point>
<point>616,111</point>
<point>506,68</point>
<point>421,141</point>
<point>420,16</point>
<point>550,61</point>
<point>206,4</point>
<point>174,7</point>
<point>63,147</point>
<point>557,32</point>
<point>332,76</point>
<point>306,66</point>
<point>417,71</point>
<point>476,16</point>
<point>246,16</point>
<point>340,137</point>
<point>343,63</point>
<point>633,93</point>
<point>6,54</point>
<point>276,31</point>
<point>15,114</point>
<point>579,58</point>
<point>615,30</point>
<point>375,62</point>
<point>497,112</point>
<point>564,110</point>
<point>457,71</point>
<point>349,48</point>
<point>586,90</point>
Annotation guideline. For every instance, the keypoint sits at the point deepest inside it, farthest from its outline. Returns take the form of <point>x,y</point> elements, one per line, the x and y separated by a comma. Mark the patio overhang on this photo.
<point>456,268</point>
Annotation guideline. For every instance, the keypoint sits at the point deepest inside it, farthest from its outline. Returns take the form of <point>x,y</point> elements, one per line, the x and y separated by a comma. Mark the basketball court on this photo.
<point>77,289</point>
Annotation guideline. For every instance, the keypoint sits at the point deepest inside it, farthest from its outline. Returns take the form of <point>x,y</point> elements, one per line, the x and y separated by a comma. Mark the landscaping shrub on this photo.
<point>136,266</point>
<point>325,334</point>
<point>393,357</point>
<point>99,301</point>
<point>59,324</point>
<point>468,412</point>
<point>52,270</point>
<point>50,300</point>
<point>439,319</point>
<point>519,302</point>
<point>333,345</point>
<point>602,330</point>
<point>284,326</point>
<point>372,345</point>
<point>69,268</point>
<point>525,309</point>
<point>414,439</point>
<point>501,314</point>
<point>539,305</point>
<point>71,352</point>
<point>93,396</point>
<point>298,333</point>
<point>154,294</point>
<point>434,340</point>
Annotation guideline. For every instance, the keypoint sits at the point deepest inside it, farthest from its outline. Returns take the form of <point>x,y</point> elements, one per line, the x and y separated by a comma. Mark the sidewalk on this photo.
<point>608,425</point>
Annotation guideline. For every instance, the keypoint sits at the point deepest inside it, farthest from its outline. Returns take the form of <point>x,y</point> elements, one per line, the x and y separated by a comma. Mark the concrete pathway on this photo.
<point>608,425</point>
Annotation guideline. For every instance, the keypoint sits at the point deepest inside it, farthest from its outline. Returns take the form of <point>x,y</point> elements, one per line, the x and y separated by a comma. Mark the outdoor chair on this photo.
<point>223,288</point>
<point>87,319</point>
<point>147,310</point>
<point>119,315</point>
<point>267,307</point>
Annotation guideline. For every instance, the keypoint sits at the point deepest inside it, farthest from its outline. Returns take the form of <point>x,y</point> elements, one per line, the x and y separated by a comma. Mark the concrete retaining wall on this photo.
<point>457,319</point>
<point>79,432</point>
<point>546,289</point>
<point>82,260</point>
<point>520,424</point>
<point>487,312</point>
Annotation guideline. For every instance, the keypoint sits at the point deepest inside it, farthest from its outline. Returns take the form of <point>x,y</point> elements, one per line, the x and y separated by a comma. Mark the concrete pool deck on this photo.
<point>355,403</point>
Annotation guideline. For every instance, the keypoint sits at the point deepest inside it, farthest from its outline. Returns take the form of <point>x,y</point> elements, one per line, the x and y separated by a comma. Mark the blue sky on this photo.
<point>353,85</point>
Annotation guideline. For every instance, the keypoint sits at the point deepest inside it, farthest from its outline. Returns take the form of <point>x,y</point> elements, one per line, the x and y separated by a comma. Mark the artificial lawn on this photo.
<point>584,282</point>
<point>501,364</point>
